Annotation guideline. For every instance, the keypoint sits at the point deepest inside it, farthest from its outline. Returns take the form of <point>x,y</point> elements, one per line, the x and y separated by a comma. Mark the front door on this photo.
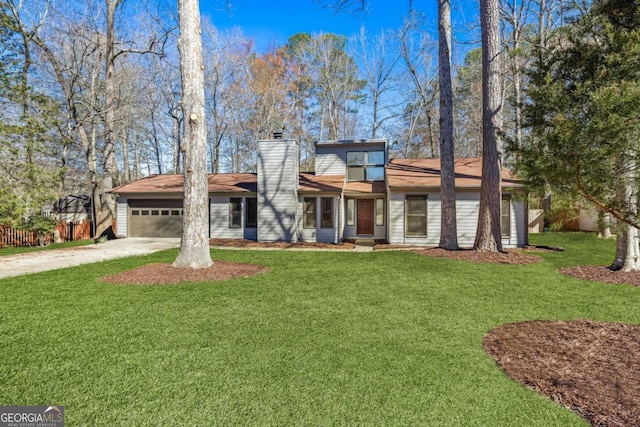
<point>365,216</point>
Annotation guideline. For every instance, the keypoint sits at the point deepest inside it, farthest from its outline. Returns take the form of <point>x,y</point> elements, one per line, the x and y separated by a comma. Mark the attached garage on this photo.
<point>155,217</point>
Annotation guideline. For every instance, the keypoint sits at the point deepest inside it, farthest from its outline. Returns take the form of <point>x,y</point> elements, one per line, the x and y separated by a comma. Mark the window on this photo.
<point>235,212</point>
<point>175,212</point>
<point>155,213</point>
<point>326,204</point>
<point>365,166</point>
<point>252,212</point>
<point>379,211</point>
<point>144,213</point>
<point>351,212</point>
<point>309,217</point>
<point>505,220</point>
<point>135,212</point>
<point>416,216</point>
<point>164,213</point>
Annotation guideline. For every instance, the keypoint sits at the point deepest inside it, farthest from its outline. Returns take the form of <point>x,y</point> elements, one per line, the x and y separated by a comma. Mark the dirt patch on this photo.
<point>160,274</point>
<point>591,368</point>
<point>602,274</point>
<point>513,257</point>
<point>241,243</point>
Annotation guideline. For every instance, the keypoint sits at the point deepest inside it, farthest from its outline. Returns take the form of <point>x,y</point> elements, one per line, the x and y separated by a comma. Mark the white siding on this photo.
<point>331,162</point>
<point>467,208</point>
<point>332,159</point>
<point>121,217</point>
<point>318,234</point>
<point>396,220</point>
<point>277,190</point>
<point>219,219</point>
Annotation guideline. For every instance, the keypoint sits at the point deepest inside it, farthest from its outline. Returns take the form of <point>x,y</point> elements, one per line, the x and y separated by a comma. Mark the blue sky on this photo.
<point>272,22</point>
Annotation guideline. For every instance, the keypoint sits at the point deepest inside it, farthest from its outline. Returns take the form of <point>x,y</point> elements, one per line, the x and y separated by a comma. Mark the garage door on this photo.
<point>155,218</point>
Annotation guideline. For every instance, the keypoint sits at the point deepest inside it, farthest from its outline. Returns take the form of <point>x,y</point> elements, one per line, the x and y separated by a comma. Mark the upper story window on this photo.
<point>365,166</point>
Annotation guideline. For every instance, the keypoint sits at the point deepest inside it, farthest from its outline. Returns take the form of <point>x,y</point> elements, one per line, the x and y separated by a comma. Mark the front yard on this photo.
<point>323,338</point>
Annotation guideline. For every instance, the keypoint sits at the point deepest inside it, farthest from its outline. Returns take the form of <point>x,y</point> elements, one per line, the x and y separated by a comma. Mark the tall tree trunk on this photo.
<point>488,236</point>
<point>448,228</point>
<point>109,158</point>
<point>125,156</point>
<point>627,245</point>
<point>194,248</point>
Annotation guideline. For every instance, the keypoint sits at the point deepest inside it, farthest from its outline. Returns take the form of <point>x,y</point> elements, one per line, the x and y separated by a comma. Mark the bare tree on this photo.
<point>379,59</point>
<point>194,248</point>
<point>488,235</point>
<point>448,222</point>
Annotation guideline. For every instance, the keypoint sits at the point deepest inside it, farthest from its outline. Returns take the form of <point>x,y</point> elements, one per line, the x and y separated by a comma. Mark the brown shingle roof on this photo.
<point>310,183</point>
<point>218,183</point>
<point>408,173</point>
<point>365,187</point>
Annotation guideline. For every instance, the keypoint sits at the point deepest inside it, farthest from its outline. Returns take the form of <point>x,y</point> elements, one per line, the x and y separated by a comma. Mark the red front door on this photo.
<point>365,216</point>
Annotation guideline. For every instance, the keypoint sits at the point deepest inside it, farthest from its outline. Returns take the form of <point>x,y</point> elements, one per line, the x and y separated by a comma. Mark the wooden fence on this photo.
<point>67,231</point>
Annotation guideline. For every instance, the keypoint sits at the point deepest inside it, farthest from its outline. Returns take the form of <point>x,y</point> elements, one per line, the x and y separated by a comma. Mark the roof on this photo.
<point>350,142</point>
<point>407,173</point>
<point>365,187</point>
<point>310,183</point>
<point>218,183</point>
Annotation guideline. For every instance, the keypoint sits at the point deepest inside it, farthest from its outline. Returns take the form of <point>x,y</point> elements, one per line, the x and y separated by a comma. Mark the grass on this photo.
<point>324,338</point>
<point>14,250</point>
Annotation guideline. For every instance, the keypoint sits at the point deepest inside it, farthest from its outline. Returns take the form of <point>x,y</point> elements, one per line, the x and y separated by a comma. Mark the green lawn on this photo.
<point>13,250</point>
<point>324,338</point>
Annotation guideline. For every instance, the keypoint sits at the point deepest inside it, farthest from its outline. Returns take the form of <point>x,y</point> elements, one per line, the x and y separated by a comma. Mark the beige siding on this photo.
<point>121,217</point>
<point>331,163</point>
<point>588,219</point>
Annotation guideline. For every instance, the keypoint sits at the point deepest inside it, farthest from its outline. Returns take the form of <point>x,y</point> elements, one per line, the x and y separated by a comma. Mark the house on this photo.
<point>356,192</point>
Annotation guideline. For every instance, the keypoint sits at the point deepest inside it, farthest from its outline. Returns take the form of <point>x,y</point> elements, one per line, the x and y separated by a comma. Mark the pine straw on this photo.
<point>602,274</point>
<point>161,274</point>
<point>591,368</point>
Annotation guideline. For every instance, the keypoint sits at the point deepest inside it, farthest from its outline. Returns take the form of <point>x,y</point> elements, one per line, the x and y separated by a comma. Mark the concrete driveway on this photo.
<point>34,262</point>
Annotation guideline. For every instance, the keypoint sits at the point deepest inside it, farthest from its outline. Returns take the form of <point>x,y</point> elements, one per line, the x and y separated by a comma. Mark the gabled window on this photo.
<point>235,212</point>
<point>416,216</point>
<point>251,220</point>
<point>309,215</point>
<point>505,217</point>
<point>365,166</point>
<point>326,206</point>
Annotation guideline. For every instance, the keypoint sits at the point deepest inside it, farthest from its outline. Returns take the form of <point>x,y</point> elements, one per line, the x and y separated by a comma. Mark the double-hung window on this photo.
<point>416,216</point>
<point>309,215</point>
<point>235,212</point>
<point>251,220</point>
<point>326,205</point>
<point>505,217</point>
<point>365,166</point>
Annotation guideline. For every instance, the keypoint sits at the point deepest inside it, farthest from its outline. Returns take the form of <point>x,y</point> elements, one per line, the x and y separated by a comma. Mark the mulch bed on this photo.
<point>241,243</point>
<point>160,274</point>
<point>591,368</point>
<point>513,257</point>
<point>603,274</point>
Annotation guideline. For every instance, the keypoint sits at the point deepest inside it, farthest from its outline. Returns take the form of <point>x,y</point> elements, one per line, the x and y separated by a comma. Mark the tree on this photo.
<point>488,235</point>
<point>448,227</point>
<point>194,247</point>
<point>583,111</point>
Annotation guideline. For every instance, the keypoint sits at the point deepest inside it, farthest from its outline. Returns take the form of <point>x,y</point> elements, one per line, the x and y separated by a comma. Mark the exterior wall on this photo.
<point>121,217</point>
<point>319,234</point>
<point>379,231</point>
<point>467,208</point>
<point>332,159</point>
<point>219,219</point>
<point>277,190</point>
<point>588,219</point>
